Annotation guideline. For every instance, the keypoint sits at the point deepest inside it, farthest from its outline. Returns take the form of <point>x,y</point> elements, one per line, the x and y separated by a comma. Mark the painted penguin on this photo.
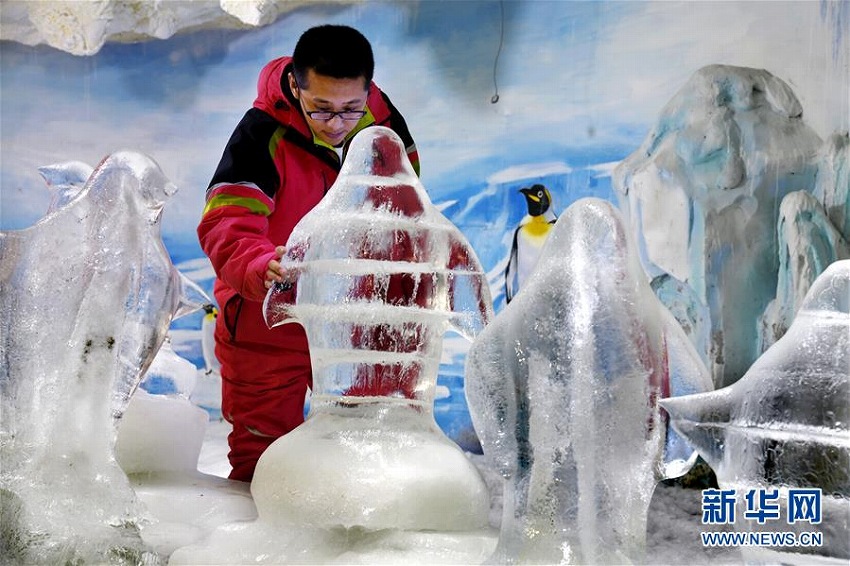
<point>211,363</point>
<point>529,238</point>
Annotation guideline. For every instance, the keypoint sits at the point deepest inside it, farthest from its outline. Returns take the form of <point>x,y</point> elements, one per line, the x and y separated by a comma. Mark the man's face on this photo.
<point>329,94</point>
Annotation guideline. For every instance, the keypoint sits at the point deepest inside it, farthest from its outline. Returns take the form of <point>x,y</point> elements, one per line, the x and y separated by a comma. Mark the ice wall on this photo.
<point>562,388</point>
<point>703,192</point>
<point>86,297</point>
<point>813,232</point>
<point>82,28</point>
<point>832,188</point>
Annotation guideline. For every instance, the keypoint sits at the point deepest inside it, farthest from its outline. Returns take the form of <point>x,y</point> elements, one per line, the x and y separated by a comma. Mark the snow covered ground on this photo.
<point>673,532</point>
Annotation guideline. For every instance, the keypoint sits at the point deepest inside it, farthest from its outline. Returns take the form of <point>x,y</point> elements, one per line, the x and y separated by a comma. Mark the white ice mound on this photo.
<point>86,297</point>
<point>786,423</point>
<point>160,433</point>
<point>562,388</point>
<point>703,192</point>
<point>381,275</point>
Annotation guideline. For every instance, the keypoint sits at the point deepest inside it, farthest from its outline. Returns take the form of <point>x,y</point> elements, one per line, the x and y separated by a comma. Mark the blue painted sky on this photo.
<point>580,84</point>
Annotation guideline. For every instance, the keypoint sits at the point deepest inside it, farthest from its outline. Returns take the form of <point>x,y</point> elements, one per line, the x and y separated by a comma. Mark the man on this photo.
<point>280,161</point>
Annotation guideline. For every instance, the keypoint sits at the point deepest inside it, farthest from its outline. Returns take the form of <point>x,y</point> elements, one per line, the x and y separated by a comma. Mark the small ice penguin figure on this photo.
<point>381,275</point>
<point>529,238</point>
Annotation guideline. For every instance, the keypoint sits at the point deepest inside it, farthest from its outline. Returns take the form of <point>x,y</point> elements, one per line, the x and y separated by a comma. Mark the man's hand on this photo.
<point>274,271</point>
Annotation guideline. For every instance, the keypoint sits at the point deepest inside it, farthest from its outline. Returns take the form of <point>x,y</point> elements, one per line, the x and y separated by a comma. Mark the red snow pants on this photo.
<point>265,374</point>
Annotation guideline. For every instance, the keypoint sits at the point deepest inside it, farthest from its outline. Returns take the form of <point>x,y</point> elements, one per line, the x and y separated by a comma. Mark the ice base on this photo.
<point>398,468</point>
<point>201,519</point>
<point>263,543</point>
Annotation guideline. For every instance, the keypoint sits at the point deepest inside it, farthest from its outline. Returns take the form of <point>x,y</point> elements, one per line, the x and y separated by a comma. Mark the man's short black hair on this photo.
<point>335,51</point>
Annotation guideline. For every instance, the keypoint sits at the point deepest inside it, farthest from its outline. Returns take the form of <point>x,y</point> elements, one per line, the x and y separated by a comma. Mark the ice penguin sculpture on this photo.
<point>381,276</point>
<point>784,428</point>
<point>86,297</point>
<point>563,388</point>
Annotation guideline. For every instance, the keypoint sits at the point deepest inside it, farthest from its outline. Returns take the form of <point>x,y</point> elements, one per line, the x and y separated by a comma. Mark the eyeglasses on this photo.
<point>326,115</point>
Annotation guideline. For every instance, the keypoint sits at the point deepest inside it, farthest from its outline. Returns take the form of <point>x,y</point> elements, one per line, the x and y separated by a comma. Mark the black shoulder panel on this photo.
<point>397,123</point>
<point>247,158</point>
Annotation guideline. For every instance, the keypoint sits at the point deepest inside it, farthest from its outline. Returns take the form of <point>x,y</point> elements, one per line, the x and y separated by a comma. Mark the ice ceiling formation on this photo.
<point>82,28</point>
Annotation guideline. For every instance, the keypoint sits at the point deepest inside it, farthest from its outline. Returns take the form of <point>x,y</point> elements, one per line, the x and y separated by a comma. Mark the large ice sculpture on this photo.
<point>786,423</point>
<point>562,388</point>
<point>703,192</point>
<point>813,232</point>
<point>86,297</point>
<point>381,276</point>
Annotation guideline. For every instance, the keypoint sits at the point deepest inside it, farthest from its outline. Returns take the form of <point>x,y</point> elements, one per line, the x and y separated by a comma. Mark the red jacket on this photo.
<point>271,174</point>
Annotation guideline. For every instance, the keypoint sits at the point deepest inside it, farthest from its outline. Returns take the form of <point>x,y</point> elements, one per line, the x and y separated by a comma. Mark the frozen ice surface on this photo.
<point>265,543</point>
<point>562,388</point>
<point>703,192</point>
<point>65,181</point>
<point>185,507</point>
<point>381,276</point>
<point>159,442</point>
<point>86,297</point>
<point>786,423</point>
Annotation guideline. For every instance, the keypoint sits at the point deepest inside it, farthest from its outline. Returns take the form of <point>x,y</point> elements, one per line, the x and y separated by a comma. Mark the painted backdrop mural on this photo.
<point>499,96</point>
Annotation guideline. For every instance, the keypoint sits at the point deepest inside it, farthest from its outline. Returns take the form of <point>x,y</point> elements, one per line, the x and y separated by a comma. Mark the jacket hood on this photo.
<point>273,100</point>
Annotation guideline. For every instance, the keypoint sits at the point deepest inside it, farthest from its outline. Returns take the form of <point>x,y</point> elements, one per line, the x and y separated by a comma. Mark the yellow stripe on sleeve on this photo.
<point>251,204</point>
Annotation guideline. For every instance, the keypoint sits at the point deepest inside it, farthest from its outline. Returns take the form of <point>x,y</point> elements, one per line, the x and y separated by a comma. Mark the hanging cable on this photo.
<point>495,98</point>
